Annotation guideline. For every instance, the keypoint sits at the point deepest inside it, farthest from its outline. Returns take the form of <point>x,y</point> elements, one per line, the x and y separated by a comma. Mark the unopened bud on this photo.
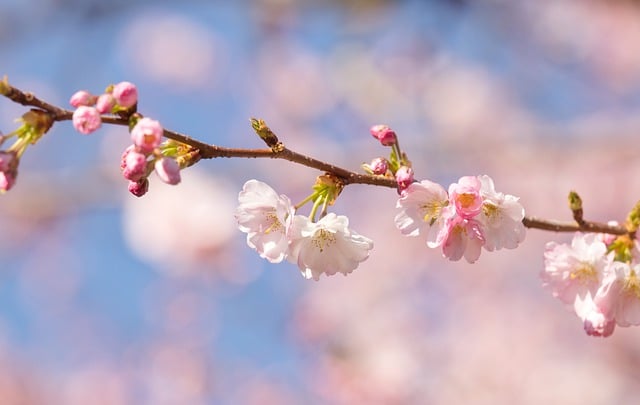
<point>86,119</point>
<point>404,177</point>
<point>379,166</point>
<point>105,103</point>
<point>82,97</point>
<point>384,134</point>
<point>139,188</point>
<point>125,94</point>
<point>168,170</point>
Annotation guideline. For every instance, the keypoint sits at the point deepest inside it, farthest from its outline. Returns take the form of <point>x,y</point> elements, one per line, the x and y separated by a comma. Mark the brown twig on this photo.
<point>585,226</point>
<point>208,151</point>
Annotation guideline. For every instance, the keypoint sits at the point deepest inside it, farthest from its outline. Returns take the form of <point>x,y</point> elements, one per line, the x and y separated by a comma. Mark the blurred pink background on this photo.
<point>109,299</point>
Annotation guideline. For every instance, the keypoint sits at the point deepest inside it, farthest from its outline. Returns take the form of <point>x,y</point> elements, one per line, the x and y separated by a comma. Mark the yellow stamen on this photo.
<point>632,284</point>
<point>275,224</point>
<point>584,272</point>
<point>431,211</point>
<point>323,239</point>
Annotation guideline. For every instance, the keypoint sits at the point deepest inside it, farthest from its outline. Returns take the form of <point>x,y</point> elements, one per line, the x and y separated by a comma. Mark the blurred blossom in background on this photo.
<point>109,299</point>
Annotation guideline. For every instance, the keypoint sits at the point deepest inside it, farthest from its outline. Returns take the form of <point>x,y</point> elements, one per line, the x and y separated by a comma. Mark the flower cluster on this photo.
<point>146,155</point>
<point>599,278</point>
<point>87,116</point>
<point>274,230</point>
<point>471,216</point>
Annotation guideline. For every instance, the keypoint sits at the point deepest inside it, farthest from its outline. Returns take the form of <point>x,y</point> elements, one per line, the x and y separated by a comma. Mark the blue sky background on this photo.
<point>77,299</point>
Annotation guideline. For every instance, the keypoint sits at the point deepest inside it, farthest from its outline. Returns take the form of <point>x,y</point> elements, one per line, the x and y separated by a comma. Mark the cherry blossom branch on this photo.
<point>278,151</point>
<point>585,226</point>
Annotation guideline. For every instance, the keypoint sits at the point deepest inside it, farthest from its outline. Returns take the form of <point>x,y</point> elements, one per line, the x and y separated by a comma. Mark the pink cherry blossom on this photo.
<point>125,94</point>
<point>327,246</point>
<point>105,103</point>
<point>461,237</point>
<point>465,196</point>
<point>421,211</point>
<point>86,119</point>
<point>147,134</point>
<point>620,293</point>
<point>265,216</point>
<point>384,134</point>
<point>82,97</point>
<point>573,271</point>
<point>168,170</point>
<point>596,322</point>
<point>501,218</point>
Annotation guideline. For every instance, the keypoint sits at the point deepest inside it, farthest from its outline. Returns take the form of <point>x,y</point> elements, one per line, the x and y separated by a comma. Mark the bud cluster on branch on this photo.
<point>597,275</point>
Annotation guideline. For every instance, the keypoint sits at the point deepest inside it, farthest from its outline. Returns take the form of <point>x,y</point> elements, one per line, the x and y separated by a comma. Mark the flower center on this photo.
<point>467,199</point>
<point>490,210</point>
<point>323,239</point>
<point>149,139</point>
<point>274,223</point>
<point>431,211</point>
<point>584,273</point>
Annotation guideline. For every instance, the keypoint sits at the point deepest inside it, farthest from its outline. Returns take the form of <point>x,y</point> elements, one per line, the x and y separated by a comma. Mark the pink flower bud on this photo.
<point>86,119</point>
<point>168,170</point>
<point>135,166</point>
<point>6,160</point>
<point>139,188</point>
<point>379,166</point>
<point>123,158</point>
<point>105,103</point>
<point>82,97</point>
<point>404,177</point>
<point>7,180</point>
<point>125,94</point>
<point>384,134</point>
<point>147,134</point>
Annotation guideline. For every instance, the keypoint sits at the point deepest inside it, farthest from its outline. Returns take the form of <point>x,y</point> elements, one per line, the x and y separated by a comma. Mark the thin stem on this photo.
<point>585,226</point>
<point>208,151</point>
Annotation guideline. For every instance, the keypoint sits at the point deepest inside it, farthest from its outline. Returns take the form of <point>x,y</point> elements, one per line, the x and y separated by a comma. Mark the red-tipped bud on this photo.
<point>139,188</point>
<point>384,134</point>
<point>404,177</point>
<point>134,165</point>
<point>379,166</point>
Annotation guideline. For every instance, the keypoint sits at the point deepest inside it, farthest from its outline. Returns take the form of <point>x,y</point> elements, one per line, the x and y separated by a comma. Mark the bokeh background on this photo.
<point>110,299</point>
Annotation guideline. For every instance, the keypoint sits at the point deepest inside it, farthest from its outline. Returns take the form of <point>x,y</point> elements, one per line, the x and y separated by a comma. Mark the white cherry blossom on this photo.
<point>327,246</point>
<point>265,216</point>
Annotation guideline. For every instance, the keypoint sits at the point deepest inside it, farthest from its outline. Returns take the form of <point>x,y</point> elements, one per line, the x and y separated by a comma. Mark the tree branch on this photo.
<point>208,151</point>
